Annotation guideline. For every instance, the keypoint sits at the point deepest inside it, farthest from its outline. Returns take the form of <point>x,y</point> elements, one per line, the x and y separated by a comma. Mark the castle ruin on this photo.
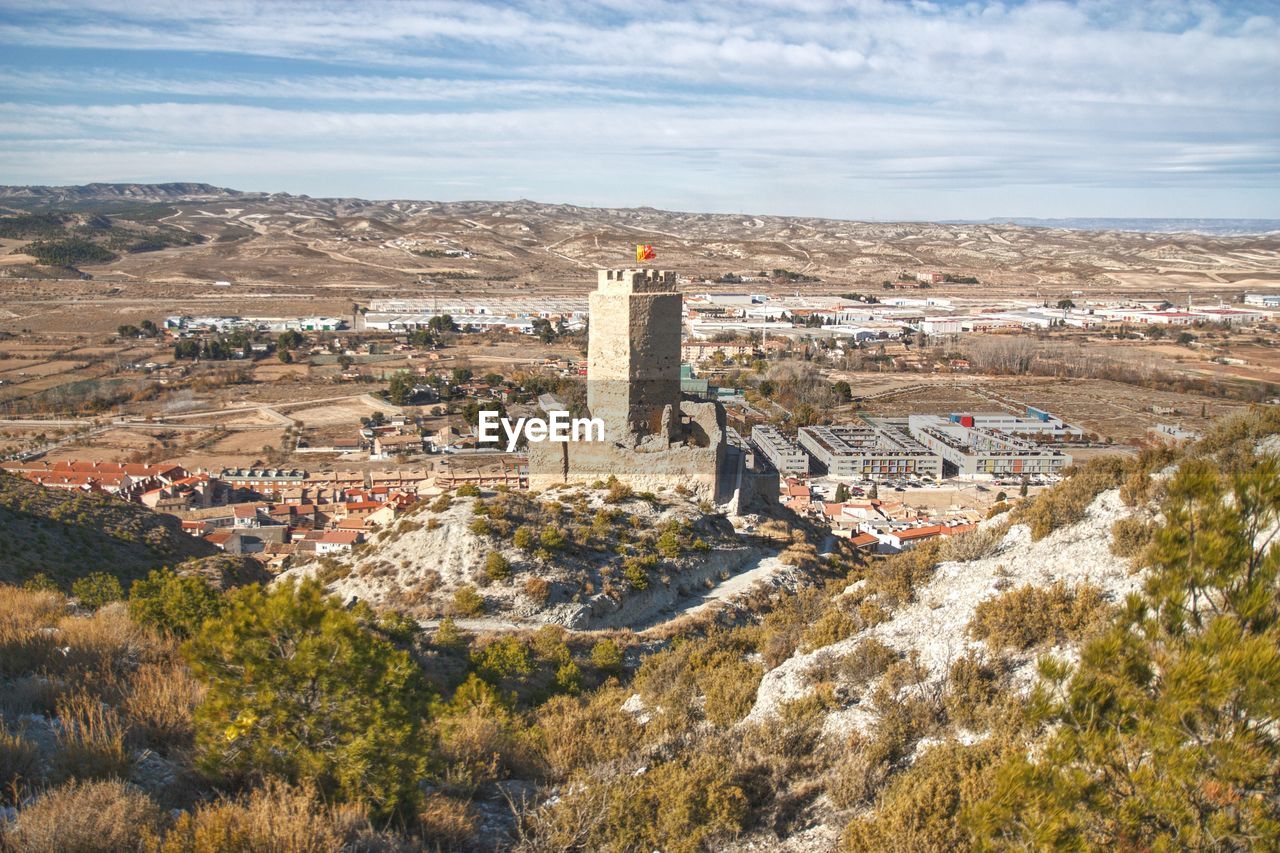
<point>655,438</point>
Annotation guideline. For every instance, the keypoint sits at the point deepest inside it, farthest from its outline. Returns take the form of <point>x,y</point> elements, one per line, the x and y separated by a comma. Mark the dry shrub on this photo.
<point>577,732</point>
<point>923,808</point>
<point>784,759</point>
<point>802,555</point>
<point>447,822</point>
<point>868,660</point>
<point>833,626</point>
<point>855,778</point>
<point>974,545</point>
<point>480,746</point>
<point>159,705</point>
<point>1030,616</point>
<point>679,806</point>
<point>31,694</point>
<point>19,765</point>
<point>791,736</point>
<point>1140,487</point>
<point>895,578</point>
<point>787,623</point>
<point>86,817</point>
<point>972,687</point>
<point>1130,536</point>
<point>775,530</point>
<point>537,590</point>
<point>275,817</point>
<point>1067,502</point>
<point>106,646</point>
<point>729,686</point>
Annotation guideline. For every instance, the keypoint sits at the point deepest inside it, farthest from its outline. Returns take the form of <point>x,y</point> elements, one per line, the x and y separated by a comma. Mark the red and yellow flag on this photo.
<point>645,252</point>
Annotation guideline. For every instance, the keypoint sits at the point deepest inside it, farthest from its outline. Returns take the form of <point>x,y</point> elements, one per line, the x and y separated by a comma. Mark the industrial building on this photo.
<point>976,451</point>
<point>869,452</point>
<point>780,450</point>
<point>1036,422</point>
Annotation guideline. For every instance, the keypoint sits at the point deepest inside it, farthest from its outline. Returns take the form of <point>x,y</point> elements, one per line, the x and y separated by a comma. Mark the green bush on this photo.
<point>524,538</point>
<point>96,589</point>
<point>552,538</point>
<point>669,544</point>
<point>173,603</point>
<point>636,573</point>
<point>332,702</point>
<point>1154,737</point>
<point>467,602</point>
<point>497,567</point>
<point>40,582</point>
<point>606,655</point>
<point>468,490</point>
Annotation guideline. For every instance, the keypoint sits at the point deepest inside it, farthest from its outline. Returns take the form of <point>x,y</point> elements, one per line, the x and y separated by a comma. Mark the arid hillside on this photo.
<point>67,535</point>
<point>297,241</point>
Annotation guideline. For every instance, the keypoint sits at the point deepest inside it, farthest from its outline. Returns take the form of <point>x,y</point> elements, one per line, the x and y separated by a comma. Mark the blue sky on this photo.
<point>876,110</point>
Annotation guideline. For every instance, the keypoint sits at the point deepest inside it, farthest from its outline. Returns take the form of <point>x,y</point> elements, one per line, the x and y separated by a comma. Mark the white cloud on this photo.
<point>826,98</point>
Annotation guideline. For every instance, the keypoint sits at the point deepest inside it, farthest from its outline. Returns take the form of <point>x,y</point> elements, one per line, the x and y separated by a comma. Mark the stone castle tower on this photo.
<point>654,438</point>
<point>633,354</point>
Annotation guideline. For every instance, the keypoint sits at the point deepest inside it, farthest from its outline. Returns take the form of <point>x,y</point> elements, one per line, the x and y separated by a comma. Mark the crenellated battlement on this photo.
<point>636,281</point>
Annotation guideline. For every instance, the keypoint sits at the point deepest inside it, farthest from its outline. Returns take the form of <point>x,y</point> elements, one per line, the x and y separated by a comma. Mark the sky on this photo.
<point>856,110</point>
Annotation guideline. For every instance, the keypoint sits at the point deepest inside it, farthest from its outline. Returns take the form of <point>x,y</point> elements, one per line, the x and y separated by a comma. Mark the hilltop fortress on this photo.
<point>655,438</point>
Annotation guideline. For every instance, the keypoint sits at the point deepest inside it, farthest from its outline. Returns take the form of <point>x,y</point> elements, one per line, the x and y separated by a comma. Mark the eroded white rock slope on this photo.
<point>934,625</point>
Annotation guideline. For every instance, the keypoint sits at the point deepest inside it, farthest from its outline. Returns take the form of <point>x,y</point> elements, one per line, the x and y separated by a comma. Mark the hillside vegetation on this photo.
<point>67,535</point>
<point>1027,687</point>
<point>580,556</point>
<point>69,239</point>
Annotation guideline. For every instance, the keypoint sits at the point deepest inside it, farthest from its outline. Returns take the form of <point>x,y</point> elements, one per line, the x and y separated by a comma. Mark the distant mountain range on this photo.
<point>1214,227</point>
<point>188,192</point>
<point>124,192</point>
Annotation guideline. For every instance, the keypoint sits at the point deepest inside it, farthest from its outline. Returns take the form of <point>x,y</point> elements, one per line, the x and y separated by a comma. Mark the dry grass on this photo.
<point>274,818</point>
<point>86,817</point>
<point>25,615</point>
<point>91,740</point>
<point>447,822</point>
<point>19,765</point>
<point>31,694</point>
<point>107,644</point>
<point>159,704</point>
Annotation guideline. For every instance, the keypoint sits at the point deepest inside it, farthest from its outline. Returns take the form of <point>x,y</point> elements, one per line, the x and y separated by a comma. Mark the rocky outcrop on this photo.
<point>933,626</point>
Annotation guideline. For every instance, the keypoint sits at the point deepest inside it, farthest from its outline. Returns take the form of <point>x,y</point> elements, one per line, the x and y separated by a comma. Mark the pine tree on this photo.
<point>1165,733</point>
<point>300,689</point>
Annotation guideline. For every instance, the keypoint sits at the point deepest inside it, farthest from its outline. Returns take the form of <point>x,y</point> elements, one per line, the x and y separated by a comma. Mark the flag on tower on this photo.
<point>644,252</point>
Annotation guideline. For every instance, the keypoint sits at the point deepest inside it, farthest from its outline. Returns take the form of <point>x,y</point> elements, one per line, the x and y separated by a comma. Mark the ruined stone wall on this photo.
<point>694,468</point>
